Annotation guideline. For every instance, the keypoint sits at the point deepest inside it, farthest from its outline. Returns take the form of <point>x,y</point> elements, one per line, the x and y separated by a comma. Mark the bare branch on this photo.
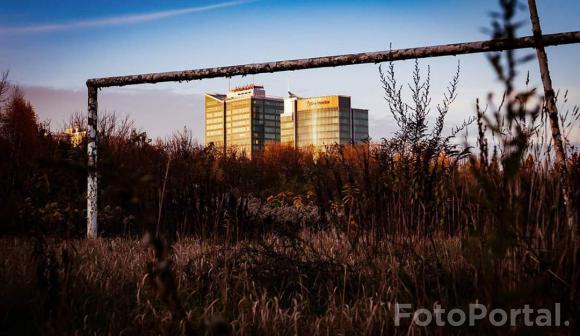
<point>4,86</point>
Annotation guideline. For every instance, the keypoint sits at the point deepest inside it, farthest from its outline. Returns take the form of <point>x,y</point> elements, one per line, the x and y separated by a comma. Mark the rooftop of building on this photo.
<point>217,96</point>
<point>258,91</point>
<point>243,92</point>
<point>324,96</point>
<point>246,87</point>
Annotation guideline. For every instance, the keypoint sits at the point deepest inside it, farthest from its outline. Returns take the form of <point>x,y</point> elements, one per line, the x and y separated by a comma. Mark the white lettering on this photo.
<point>494,321</point>
<point>473,315</point>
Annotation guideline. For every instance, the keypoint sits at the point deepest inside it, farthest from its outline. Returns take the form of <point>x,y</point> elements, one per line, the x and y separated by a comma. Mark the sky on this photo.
<point>52,47</point>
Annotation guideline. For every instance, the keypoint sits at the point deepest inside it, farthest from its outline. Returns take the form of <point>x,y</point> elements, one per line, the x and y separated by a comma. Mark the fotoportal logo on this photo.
<point>479,313</point>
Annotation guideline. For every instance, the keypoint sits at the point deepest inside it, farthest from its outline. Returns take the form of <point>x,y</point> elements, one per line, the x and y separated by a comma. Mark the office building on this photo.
<point>321,121</point>
<point>244,119</point>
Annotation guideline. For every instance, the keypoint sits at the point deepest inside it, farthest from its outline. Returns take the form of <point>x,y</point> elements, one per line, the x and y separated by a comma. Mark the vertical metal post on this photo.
<point>552,110</point>
<point>92,186</point>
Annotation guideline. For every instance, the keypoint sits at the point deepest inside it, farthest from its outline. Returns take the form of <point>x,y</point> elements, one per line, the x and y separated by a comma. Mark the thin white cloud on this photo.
<point>117,20</point>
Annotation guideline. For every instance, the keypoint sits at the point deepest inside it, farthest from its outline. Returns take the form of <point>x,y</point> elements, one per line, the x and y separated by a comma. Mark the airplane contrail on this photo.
<point>117,20</point>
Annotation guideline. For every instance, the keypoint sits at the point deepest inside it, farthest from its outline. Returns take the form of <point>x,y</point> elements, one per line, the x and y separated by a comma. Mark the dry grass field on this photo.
<point>317,283</point>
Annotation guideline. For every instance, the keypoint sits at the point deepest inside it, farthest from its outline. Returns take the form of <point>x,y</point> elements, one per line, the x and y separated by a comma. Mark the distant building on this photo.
<point>247,120</point>
<point>244,119</point>
<point>72,135</point>
<point>215,107</point>
<point>321,121</point>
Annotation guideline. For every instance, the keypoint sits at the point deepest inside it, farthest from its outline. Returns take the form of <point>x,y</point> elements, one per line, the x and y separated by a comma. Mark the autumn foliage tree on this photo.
<point>19,132</point>
<point>19,143</point>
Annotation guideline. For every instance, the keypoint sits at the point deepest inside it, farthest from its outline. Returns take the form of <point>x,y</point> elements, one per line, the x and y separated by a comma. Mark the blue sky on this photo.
<point>52,47</point>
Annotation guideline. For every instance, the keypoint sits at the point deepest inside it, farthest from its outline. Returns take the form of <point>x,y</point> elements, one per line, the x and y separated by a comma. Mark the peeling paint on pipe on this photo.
<point>92,186</point>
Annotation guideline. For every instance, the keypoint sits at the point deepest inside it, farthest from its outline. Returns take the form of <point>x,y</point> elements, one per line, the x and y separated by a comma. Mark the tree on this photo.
<point>19,136</point>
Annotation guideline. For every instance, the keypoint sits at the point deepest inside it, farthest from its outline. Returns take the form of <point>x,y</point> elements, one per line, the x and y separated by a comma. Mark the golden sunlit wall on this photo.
<point>239,125</point>
<point>287,130</point>
<point>214,121</point>
<point>323,121</point>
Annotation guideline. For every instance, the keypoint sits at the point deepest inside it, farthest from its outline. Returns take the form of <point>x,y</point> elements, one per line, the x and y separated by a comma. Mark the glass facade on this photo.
<point>214,120</point>
<point>251,120</point>
<point>247,120</point>
<point>239,124</point>
<point>323,121</point>
<point>265,122</point>
<point>360,125</point>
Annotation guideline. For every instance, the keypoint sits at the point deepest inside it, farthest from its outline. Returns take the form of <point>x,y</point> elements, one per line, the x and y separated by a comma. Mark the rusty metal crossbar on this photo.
<point>299,64</point>
<point>339,60</point>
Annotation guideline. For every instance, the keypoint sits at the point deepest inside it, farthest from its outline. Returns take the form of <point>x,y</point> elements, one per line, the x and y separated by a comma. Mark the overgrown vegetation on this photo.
<point>291,242</point>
